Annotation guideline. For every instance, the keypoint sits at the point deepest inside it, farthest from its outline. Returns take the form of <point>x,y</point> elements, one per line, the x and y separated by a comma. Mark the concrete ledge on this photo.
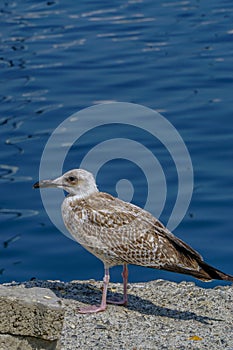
<point>14,342</point>
<point>160,315</point>
<point>31,318</point>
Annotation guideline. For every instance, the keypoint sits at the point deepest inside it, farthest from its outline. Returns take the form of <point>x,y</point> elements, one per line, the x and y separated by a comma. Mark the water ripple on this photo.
<point>8,172</point>
<point>9,214</point>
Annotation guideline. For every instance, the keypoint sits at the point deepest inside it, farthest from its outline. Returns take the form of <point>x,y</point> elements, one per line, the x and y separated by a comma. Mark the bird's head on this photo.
<point>76,182</point>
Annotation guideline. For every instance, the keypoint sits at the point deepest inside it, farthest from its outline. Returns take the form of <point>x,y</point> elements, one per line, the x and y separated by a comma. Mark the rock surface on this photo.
<point>159,315</point>
<point>30,318</point>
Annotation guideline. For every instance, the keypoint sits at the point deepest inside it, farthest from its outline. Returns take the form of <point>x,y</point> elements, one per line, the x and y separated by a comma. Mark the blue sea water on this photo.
<point>59,57</point>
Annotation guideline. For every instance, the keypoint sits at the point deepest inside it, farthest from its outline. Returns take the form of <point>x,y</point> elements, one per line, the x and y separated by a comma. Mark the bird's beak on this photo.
<point>48,183</point>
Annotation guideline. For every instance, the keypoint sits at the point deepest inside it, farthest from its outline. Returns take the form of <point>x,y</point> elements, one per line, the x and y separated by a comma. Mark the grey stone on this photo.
<point>34,312</point>
<point>14,342</point>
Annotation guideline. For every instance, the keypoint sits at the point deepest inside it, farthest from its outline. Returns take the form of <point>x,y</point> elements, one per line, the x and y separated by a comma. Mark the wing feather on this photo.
<point>136,236</point>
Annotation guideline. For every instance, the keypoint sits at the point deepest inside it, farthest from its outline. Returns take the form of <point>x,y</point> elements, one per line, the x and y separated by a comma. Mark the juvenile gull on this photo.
<point>120,233</point>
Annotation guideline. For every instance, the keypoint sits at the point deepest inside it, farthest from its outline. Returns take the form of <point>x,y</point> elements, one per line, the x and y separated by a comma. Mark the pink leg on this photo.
<point>125,281</point>
<point>103,305</point>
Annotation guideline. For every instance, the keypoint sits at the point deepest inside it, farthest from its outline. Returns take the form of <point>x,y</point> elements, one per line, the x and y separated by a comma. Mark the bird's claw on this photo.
<point>92,309</point>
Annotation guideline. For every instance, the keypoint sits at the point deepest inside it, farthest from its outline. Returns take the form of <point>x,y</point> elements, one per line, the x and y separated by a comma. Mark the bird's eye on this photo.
<point>72,178</point>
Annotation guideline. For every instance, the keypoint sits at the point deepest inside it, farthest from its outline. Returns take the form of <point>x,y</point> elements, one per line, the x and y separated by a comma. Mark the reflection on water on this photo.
<point>59,57</point>
<point>13,213</point>
<point>11,240</point>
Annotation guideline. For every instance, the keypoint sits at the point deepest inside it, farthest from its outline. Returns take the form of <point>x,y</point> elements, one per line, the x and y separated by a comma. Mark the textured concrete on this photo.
<point>31,318</point>
<point>160,315</point>
<point>15,342</point>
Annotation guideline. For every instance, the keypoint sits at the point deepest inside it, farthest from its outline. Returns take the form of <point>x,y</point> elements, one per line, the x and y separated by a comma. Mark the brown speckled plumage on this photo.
<point>120,233</point>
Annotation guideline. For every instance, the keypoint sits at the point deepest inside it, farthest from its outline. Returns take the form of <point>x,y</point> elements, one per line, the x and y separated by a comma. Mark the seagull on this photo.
<point>121,233</point>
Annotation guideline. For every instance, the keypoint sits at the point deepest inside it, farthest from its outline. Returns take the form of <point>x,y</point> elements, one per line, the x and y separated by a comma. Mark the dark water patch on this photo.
<point>11,240</point>
<point>9,214</point>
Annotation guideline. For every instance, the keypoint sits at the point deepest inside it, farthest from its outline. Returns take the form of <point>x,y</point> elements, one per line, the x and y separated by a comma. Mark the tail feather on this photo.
<point>192,263</point>
<point>214,273</point>
<point>200,270</point>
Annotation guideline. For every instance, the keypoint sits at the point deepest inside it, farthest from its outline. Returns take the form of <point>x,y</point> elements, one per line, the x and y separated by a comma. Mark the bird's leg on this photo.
<point>125,281</point>
<point>103,305</point>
